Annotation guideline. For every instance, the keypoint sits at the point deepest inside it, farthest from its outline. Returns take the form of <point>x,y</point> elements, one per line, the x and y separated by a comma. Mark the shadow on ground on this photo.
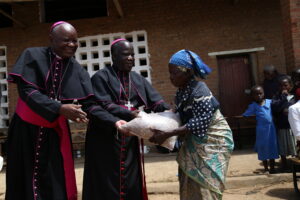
<point>283,193</point>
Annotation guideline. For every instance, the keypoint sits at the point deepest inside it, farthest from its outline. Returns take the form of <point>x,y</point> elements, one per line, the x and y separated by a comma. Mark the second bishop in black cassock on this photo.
<point>113,161</point>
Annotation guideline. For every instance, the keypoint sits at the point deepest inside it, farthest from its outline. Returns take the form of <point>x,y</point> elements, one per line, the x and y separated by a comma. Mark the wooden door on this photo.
<point>235,77</point>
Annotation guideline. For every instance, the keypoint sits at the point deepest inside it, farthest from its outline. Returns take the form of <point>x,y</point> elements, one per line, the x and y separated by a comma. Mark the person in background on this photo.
<point>206,137</point>
<point>270,83</point>
<point>296,80</point>
<point>294,119</point>
<point>280,105</point>
<point>113,160</point>
<point>266,139</point>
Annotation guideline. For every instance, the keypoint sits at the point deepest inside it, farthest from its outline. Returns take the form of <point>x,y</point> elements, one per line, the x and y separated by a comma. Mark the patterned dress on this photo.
<point>205,152</point>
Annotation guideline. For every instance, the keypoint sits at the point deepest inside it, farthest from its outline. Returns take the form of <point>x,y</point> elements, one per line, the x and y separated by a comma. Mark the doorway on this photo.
<point>236,77</point>
<point>235,81</point>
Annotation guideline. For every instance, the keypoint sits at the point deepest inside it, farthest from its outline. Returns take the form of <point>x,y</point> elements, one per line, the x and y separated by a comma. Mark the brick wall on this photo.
<point>291,32</point>
<point>201,26</point>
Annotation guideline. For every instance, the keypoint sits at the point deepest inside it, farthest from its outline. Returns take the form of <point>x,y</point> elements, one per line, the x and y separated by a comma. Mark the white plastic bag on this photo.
<point>165,121</point>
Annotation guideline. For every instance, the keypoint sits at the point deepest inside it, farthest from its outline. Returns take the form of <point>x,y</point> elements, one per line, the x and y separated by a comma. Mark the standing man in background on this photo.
<point>271,81</point>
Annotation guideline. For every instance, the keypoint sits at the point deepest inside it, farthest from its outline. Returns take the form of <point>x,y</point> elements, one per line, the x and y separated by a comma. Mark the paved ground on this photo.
<point>242,183</point>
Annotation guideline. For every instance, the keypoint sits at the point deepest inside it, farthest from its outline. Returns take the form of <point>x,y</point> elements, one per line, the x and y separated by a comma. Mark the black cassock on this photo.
<point>113,162</point>
<point>36,167</point>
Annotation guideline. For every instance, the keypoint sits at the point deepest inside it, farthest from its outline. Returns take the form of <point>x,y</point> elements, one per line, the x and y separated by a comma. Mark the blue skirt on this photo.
<point>266,142</point>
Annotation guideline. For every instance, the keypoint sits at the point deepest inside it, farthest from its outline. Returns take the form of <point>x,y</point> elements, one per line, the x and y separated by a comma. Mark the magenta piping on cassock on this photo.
<point>156,104</point>
<point>92,108</point>
<point>12,81</point>
<point>61,128</point>
<point>120,93</point>
<point>139,94</point>
<point>110,105</point>
<point>46,79</point>
<point>31,94</point>
<point>147,107</point>
<point>89,95</point>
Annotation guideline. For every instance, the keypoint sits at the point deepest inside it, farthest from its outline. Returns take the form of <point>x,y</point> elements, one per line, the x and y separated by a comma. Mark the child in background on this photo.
<point>280,105</point>
<point>266,140</point>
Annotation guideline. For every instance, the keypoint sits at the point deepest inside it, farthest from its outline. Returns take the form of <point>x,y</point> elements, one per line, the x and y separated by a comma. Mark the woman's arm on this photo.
<point>160,136</point>
<point>202,110</point>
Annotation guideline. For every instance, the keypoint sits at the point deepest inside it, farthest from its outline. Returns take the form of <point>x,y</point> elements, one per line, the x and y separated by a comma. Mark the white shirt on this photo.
<point>294,119</point>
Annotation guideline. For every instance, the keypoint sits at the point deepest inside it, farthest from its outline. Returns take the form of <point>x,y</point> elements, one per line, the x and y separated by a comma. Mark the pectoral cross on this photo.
<point>128,105</point>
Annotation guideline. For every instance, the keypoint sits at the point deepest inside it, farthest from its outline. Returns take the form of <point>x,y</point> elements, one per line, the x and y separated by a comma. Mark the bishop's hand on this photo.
<point>119,124</point>
<point>73,112</point>
<point>135,113</point>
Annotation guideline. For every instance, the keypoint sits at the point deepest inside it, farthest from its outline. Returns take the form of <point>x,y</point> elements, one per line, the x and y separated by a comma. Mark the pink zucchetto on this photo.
<point>56,24</point>
<point>117,40</point>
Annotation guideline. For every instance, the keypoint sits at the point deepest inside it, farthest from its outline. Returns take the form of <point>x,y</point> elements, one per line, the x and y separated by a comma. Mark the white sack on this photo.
<point>164,121</point>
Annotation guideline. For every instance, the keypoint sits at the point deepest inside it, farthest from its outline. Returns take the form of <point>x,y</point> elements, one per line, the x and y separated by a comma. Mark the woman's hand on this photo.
<point>285,92</point>
<point>119,124</point>
<point>159,136</point>
<point>135,113</point>
<point>73,112</point>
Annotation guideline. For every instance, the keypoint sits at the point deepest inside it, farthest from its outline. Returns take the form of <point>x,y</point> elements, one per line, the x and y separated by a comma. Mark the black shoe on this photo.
<point>288,170</point>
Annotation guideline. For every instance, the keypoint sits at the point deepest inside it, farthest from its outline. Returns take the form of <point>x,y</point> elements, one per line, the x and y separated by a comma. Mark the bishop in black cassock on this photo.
<point>39,154</point>
<point>113,161</point>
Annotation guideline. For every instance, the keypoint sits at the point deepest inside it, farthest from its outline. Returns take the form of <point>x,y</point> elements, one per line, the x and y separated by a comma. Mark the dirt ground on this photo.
<point>162,184</point>
<point>267,192</point>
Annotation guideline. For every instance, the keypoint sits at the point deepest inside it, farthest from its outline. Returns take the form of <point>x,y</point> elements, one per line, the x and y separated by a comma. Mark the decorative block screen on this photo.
<point>94,52</point>
<point>4,89</point>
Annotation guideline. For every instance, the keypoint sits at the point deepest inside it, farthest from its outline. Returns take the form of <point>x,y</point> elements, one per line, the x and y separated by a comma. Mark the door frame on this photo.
<point>253,59</point>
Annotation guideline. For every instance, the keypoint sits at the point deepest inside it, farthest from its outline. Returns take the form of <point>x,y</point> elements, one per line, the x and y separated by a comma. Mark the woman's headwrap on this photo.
<point>190,60</point>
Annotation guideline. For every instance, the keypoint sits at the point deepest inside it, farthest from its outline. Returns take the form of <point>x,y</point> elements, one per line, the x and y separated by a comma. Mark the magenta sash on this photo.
<point>61,127</point>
